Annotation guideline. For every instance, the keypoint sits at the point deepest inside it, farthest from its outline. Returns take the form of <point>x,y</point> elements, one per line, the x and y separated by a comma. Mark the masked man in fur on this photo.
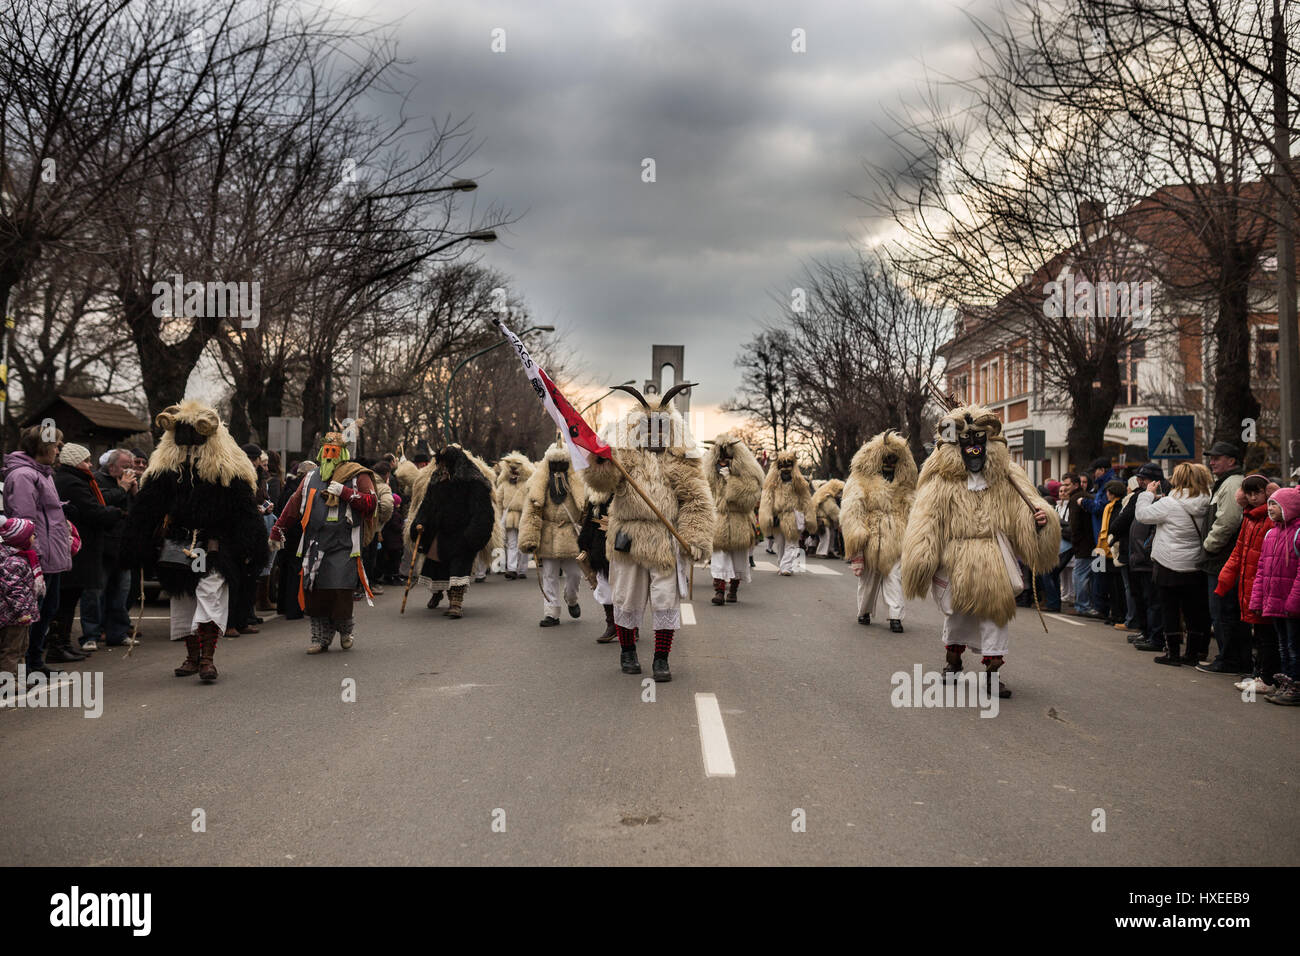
<point>736,481</point>
<point>337,507</point>
<point>483,560</point>
<point>197,504</point>
<point>967,528</point>
<point>646,564</point>
<point>877,499</point>
<point>592,545</point>
<point>549,528</point>
<point>826,510</point>
<point>785,508</point>
<point>452,526</point>
<point>511,486</point>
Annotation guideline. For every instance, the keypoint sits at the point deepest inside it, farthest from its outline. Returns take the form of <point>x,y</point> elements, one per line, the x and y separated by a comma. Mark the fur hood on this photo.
<point>736,496</point>
<point>824,505</point>
<point>780,500</point>
<point>513,495</point>
<point>545,526</point>
<point>218,460</point>
<point>406,474</point>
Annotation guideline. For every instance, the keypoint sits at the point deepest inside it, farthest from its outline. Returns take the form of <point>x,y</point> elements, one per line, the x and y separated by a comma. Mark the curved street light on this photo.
<point>630,381</point>
<point>446,399</point>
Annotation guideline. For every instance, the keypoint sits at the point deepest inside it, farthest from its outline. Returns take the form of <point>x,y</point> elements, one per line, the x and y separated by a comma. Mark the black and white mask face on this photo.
<point>187,435</point>
<point>973,451</point>
<point>888,465</point>
<point>557,487</point>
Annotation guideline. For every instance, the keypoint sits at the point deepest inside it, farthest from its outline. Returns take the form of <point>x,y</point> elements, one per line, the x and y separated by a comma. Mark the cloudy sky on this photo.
<point>757,149</point>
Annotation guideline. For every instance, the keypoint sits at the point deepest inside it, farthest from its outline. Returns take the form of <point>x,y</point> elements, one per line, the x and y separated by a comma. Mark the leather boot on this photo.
<point>1003,691</point>
<point>663,644</point>
<point>1198,648</point>
<point>263,601</point>
<point>719,591</point>
<point>208,635</point>
<point>455,601</point>
<point>952,661</point>
<point>732,589</point>
<point>191,665</point>
<point>58,641</point>
<point>610,631</point>
<point>1172,643</point>
<point>628,659</point>
<point>434,600</point>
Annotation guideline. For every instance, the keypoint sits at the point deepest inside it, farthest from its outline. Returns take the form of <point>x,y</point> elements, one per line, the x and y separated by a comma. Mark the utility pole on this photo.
<point>1288,359</point>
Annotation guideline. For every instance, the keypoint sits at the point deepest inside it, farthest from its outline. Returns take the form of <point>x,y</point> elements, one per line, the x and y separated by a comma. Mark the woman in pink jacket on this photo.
<point>1276,594</point>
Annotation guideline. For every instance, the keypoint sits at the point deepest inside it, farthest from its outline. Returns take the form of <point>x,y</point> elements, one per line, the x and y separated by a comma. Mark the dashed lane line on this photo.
<point>713,737</point>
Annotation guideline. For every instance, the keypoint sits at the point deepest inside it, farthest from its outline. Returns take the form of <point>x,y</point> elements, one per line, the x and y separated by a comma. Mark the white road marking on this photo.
<point>764,565</point>
<point>688,614</point>
<point>822,569</point>
<point>1058,617</point>
<point>713,737</point>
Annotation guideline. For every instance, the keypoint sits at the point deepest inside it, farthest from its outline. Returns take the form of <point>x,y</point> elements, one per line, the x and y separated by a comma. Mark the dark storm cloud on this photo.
<point>757,151</point>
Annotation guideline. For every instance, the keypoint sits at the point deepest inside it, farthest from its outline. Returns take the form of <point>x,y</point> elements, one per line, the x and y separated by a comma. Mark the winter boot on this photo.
<point>1287,693</point>
<point>719,591</point>
<point>263,602</point>
<point>1172,643</point>
<point>322,635</point>
<point>575,610</point>
<point>896,625</point>
<point>191,665</point>
<point>864,618</point>
<point>1198,648</point>
<point>549,621</point>
<point>345,632</point>
<point>952,664</point>
<point>58,641</point>
<point>732,588</point>
<point>611,631</point>
<point>455,601</point>
<point>663,644</point>
<point>434,600</point>
<point>209,633</point>
<point>628,659</point>
<point>991,666</point>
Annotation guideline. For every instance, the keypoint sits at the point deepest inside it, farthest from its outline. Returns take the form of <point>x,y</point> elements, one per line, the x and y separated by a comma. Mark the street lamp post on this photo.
<point>446,399</point>
<point>630,381</point>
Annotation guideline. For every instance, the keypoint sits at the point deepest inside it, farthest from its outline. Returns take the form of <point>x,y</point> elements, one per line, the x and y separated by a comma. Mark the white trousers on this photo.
<point>978,634</point>
<point>516,560</point>
<point>730,565</point>
<point>824,542</point>
<point>633,586</point>
<point>789,552</point>
<point>602,591</point>
<point>550,574</point>
<point>210,603</point>
<point>891,585</point>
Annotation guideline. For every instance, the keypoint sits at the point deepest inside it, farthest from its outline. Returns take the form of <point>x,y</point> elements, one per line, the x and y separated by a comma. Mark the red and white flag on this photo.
<point>578,435</point>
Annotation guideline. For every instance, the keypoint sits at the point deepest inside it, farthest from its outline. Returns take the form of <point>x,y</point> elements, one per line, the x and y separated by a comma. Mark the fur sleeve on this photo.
<point>530,524</point>
<point>694,505</point>
<point>146,515</point>
<point>601,476</point>
<point>853,517</point>
<point>923,542</point>
<point>478,531</point>
<point>766,519</point>
<point>743,491</point>
<point>1037,547</point>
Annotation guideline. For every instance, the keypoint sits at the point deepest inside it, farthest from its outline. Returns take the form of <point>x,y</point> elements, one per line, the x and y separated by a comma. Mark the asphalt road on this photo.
<point>489,740</point>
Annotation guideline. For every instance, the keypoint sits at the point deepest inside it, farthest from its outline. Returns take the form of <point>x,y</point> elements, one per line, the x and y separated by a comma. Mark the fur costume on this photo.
<point>549,528</point>
<point>653,443</point>
<point>453,524</point>
<point>785,507</point>
<point>873,515</point>
<point>966,506</point>
<point>873,518</point>
<point>826,511</point>
<point>337,508</point>
<point>198,492</point>
<point>420,484</point>
<point>735,497</point>
<point>513,472</point>
<point>592,542</point>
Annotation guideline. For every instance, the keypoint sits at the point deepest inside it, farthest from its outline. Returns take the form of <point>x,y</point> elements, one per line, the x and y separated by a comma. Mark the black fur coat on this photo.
<point>229,527</point>
<point>457,510</point>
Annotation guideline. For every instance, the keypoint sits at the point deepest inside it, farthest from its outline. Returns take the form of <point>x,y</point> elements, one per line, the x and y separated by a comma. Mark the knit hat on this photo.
<point>103,459</point>
<point>17,532</point>
<point>73,455</point>
<point>1053,487</point>
<point>1100,463</point>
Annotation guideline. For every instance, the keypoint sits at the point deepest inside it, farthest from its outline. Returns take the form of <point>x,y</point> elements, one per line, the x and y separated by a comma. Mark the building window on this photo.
<point>1128,372</point>
<point>959,385</point>
<point>1266,354</point>
<point>991,382</point>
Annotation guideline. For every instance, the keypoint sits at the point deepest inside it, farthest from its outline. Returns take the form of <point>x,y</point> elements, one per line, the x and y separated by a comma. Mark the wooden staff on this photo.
<point>139,621</point>
<point>690,587</point>
<point>948,403</point>
<point>410,574</point>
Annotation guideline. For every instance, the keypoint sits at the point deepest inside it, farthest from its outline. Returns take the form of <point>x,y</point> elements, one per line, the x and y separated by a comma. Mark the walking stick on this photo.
<point>690,588</point>
<point>139,621</point>
<point>410,574</point>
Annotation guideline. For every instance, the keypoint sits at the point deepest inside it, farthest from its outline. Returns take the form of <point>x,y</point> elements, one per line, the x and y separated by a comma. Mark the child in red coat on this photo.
<point>1239,572</point>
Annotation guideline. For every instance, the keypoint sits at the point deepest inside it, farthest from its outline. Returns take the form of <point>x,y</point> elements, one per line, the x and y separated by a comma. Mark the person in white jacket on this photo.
<point>1179,520</point>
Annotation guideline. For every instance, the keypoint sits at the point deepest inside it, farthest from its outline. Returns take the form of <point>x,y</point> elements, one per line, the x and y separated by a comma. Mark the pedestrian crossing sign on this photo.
<point>1171,436</point>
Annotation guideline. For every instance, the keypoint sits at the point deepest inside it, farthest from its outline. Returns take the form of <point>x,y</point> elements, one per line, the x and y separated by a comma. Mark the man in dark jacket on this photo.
<point>453,525</point>
<point>105,612</point>
<point>1149,616</point>
<point>1222,522</point>
<point>1094,503</point>
<point>1082,540</point>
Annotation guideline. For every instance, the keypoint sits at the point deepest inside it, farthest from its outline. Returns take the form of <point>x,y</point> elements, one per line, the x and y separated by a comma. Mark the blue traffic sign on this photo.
<point>1171,436</point>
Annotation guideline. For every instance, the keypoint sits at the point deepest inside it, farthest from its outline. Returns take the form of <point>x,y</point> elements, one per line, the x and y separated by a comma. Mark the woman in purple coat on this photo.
<point>29,492</point>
